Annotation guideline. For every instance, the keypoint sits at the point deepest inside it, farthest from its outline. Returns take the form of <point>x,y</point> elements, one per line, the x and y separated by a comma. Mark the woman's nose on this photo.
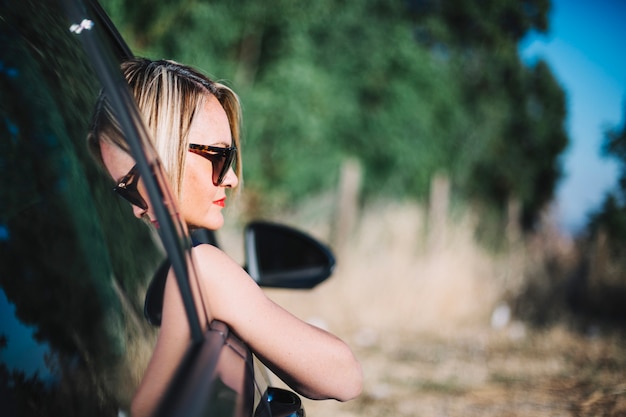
<point>231,180</point>
<point>138,211</point>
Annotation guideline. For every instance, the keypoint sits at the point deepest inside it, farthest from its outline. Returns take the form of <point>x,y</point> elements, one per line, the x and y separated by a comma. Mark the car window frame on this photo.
<point>93,24</point>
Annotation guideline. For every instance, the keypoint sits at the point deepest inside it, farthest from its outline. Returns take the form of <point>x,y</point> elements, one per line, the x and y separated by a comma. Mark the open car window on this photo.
<point>75,261</point>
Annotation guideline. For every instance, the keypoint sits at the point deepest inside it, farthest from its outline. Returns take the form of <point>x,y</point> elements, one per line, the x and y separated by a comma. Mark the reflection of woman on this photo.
<point>194,123</point>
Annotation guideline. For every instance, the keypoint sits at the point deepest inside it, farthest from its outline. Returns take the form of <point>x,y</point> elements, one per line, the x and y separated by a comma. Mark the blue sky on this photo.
<point>585,49</point>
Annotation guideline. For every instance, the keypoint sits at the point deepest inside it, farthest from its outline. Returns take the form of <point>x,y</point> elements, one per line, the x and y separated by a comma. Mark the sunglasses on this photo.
<point>221,159</point>
<point>127,189</point>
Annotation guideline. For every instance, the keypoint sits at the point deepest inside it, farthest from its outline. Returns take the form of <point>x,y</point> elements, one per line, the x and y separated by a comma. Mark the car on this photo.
<point>80,277</point>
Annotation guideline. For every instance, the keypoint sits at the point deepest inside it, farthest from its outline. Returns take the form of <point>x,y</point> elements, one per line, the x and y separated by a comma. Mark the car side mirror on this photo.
<point>279,256</point>
<point>280,403</point>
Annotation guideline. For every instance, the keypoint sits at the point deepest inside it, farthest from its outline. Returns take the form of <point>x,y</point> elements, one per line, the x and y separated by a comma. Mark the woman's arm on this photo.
<point>310,360</point>
<point>172,342</point>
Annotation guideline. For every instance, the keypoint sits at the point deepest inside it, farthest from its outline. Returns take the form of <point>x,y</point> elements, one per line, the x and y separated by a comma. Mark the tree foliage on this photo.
<point>515,112</point>
<point>409,88</point>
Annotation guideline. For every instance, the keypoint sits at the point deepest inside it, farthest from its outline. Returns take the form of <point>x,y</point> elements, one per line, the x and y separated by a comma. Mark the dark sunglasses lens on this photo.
<point>221,165</point>
<point>128,190</point>
<point>221,160</point>
<point>133,197</point>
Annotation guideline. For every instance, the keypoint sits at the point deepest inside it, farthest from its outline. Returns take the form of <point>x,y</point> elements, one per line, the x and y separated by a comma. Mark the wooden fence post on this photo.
<point>348,202</point>
<point>438,212</point>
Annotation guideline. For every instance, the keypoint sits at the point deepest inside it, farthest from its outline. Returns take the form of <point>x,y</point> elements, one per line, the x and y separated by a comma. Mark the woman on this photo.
<point>194,123</point>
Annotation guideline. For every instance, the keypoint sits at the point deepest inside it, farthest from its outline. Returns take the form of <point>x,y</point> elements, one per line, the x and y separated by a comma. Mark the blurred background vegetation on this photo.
<point>409,88</point>
<point>412,90</point>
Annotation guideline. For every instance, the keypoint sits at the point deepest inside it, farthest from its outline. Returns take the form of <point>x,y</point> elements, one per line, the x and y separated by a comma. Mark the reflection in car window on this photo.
<point>74,260</point>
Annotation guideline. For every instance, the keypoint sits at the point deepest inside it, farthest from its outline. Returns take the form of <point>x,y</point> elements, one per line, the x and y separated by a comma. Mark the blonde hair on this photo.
<point>168,95</point>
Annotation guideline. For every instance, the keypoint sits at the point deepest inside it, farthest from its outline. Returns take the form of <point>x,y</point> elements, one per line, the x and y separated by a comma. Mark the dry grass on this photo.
<point>388,279</point>
<point>391,277</point>
<point>417,312</point>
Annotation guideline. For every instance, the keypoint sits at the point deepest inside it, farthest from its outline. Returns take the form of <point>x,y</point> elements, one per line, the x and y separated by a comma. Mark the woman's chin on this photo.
<point>215,222</point>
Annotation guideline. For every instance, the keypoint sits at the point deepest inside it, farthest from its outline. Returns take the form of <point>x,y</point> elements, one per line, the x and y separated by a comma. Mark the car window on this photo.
<point>74,261</point>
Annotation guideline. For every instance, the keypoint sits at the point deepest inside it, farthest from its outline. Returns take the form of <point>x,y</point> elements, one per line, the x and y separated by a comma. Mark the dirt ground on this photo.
<point>509,372</point>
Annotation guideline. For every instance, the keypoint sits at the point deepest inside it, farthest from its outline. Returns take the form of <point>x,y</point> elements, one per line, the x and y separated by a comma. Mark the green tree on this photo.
<point>516,113</point>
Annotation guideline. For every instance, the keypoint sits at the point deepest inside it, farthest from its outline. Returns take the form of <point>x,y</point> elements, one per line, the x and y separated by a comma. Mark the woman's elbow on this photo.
<point>353,384</point>
<point>340,379</point>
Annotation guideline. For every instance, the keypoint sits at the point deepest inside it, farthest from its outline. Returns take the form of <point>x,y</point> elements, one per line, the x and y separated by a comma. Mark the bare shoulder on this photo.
<point>230,289</point>
<point>210,251</point>
<point>213,262</point>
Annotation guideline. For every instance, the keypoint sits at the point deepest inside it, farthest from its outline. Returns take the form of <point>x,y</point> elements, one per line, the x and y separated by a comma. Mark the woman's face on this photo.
<point>201,201</point>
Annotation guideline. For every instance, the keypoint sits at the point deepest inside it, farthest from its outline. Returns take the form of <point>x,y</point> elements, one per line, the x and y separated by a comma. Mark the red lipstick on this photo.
<point>221,202</point>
